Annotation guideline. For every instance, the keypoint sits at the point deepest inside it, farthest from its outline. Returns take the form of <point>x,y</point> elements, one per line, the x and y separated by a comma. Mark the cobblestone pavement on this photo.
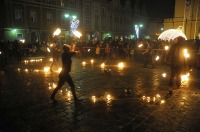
<point>25,105</point>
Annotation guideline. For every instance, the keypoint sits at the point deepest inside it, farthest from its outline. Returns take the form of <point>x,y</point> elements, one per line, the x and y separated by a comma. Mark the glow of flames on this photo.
<point>57,32</point>
<point>164,74</point>
<point>121,65</point>
<point>102,65</point>
<point>166,47</point>
<point>157,58</point>
<point>77,34</point>
<point>186,53</point>
<point>140,45</point>
<point>185,78</point>
<point>46,69</point>
<point>94,99</point>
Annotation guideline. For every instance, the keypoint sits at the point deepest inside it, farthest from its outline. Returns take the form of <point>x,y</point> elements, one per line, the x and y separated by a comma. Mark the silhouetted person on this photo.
<point>16,49</point>
<point>64,75</point>
<point>148,56</point>
<point>176,59</point>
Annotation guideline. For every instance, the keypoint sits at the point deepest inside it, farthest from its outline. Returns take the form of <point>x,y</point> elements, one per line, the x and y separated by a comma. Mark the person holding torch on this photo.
<point>64,75</point>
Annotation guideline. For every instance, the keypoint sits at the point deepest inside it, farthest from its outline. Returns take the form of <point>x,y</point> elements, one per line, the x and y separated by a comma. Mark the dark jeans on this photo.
<point>176,71</point>
<point>62,79</point>
<point>149,60</point>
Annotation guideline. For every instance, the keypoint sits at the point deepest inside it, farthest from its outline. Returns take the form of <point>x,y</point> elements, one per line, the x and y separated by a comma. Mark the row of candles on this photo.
<point>156,98</point>
<point>120,65</point>
<point>94,99</point>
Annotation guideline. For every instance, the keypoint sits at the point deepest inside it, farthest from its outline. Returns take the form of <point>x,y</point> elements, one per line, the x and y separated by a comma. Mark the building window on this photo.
<point>96,22</point>
<point>87,21</point>
<point>18,15</point>
<point>103,11</point>
<point>73,3</point>
<point>19,36</point>
<point>62,3</point>
<point>49,18</point>
<point>49,1</point>
<point>87,8</point>
<point>33,17</point>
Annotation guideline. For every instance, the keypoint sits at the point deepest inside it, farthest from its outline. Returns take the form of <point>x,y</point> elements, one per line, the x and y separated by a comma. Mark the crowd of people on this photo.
<point>110,49</point>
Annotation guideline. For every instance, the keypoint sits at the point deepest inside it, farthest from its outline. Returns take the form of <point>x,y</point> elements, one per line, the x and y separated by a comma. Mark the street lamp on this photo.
<point>70,17</point>
<point>137,29</point>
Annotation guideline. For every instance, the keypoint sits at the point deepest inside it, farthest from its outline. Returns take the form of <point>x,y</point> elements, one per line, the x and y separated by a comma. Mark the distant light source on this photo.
<point>57,32</point>
<point>77,34</point>
<point>66,15</point>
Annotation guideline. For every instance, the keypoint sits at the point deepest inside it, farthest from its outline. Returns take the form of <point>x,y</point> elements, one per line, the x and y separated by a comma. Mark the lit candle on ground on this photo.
<point>94,99</point>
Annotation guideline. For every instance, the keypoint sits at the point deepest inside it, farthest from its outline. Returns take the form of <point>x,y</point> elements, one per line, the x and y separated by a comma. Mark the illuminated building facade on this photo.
<point>186,17</point>
<point>36,20</point>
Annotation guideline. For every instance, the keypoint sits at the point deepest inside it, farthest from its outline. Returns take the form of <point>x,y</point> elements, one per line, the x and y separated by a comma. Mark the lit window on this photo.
<point>49,18</point>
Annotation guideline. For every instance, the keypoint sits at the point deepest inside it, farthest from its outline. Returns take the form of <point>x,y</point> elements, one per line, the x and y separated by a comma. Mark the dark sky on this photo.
<point>160,8</point>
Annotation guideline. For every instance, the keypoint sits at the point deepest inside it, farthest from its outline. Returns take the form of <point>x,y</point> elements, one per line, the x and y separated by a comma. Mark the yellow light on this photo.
<point>148,99</point>
<point>102,65</point>
<point>83,63</point>
<point>59,70</point>
<point>49,86</point>
<point>162,101</point>
<point>185,78</point>
<point>154,99</point>
<point>166,47</point>
<point>157,58</point>
<point>94,99</point>
<point>26,70</point>
<point>186,53</point>
<point>46,69</point>
<point>57,32</point>
<point>158,96</point>
<point>140,45</point>
<point>54,85</point>
<point>48,50</point>
<point>108,97</point>
<point>22,40</point>
<point>164,74</point>
<point>69,94</point>
<point>143,97</point>
<point>32,60</point>
<point>51,59</point>
<point>121,65</point>
<point>36,70</point>
<point>92,61</point>
<point>77,34</point>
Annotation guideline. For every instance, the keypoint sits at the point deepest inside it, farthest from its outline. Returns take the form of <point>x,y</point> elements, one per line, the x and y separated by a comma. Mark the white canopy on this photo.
<point>171,34</point>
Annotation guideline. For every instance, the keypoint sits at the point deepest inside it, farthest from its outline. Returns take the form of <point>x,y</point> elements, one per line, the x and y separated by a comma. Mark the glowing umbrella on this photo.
<point>171,34</point>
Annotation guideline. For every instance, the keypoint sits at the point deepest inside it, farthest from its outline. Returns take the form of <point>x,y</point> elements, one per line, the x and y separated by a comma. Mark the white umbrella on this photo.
<point>171,34</point>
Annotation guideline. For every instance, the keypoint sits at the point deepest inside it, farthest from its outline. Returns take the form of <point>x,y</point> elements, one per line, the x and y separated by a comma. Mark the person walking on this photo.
<point>64,75</point>
<point>149,56</point>
<point>176,59</point>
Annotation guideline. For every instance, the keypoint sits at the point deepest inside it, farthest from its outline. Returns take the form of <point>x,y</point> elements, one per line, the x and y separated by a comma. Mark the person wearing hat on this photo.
<point>175,58</point>
<point>64,75</point>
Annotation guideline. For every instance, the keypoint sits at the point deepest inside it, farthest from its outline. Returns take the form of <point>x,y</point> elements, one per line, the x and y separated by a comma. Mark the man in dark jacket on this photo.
<point>64,75</point>
<point>176,59</point>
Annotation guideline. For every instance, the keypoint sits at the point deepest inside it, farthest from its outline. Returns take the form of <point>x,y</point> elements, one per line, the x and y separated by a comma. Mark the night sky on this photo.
<point>160,8</point>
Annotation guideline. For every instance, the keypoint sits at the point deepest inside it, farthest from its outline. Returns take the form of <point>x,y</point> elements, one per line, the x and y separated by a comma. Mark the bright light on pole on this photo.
<point>57,32</point>
<point>137,29</point>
